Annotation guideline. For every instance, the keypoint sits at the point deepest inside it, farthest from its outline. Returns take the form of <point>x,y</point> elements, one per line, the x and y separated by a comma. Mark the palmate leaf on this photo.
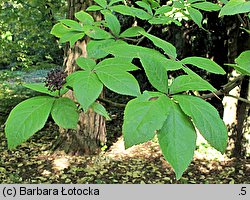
<point>27,118</point>
<point>64,113</point>
<point>206,118</point>
<point>177,139</point>
<point>143,116</point>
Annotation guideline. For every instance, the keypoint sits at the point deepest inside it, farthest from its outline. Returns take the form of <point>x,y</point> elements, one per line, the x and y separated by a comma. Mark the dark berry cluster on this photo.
<point>55,79</point>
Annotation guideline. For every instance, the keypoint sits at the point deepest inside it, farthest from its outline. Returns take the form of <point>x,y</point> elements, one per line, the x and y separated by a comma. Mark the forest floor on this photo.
<point>35,162</point>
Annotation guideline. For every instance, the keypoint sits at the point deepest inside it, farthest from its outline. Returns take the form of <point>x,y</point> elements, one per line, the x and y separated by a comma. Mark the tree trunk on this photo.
<point>239,150</point>
<point>91,131</point>
<point>235,112</point>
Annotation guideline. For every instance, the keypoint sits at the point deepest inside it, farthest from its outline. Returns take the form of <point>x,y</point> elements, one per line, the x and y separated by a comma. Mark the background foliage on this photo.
<point>25,37</point>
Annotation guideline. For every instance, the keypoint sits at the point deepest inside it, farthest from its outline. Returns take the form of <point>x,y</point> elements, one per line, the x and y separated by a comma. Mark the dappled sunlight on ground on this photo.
<point>34,162</point>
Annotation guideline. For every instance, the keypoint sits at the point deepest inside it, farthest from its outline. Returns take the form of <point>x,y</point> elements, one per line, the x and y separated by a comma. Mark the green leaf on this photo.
<point>40,87</point>
<point>172,65</point>
<point>163,20</point>
<point>141,14</point>
<point>195,15</point>
<point>178,4</point>
<point>113,2</point>
<point>154,4</point>
<point>96,32</point>
<point>143,116</point>
<point>167,47</point>
<point>64,113</point>
<point>243,62</point>
<point>94,8</point>
<point>206,119</point>
<point>122,9</point>
<point>71,78</point>
<point>99,109</point>
<point>131,51</point>
<point>96,49</point>
<point>193,1</point>
<point>87,88</point>
<point>59,30</point>
<point>207,6</point>
<point>177,139</point>
<point>132,31</point>
<point>72,37</point>
<point>162,10</point>
<point>118,81</point>
<point>67,36</point>
<point>27,118</point>
<point>86,63</point>
<point>189,82</point>
<point>102,3</point>
<point>235,7</point>
<point>204,63</point>
<point>156,72</point>
<point>117,64</point>
<point>240,70</point>
<point>112,22</point>
<point>72,24</point>
<point>145,5</point>
<point>84,17</point>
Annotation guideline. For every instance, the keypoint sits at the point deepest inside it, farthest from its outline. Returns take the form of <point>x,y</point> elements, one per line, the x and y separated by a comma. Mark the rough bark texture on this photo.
<point>91,130</point>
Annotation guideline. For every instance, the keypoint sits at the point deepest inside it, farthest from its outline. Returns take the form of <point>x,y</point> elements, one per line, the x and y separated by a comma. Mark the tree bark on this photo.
<point>91,131</point>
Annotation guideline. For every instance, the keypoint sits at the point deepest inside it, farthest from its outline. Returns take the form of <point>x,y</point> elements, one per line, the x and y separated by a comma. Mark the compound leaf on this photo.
<point>143,116</point>
<point>177,139</point>
<point>206,118</point>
